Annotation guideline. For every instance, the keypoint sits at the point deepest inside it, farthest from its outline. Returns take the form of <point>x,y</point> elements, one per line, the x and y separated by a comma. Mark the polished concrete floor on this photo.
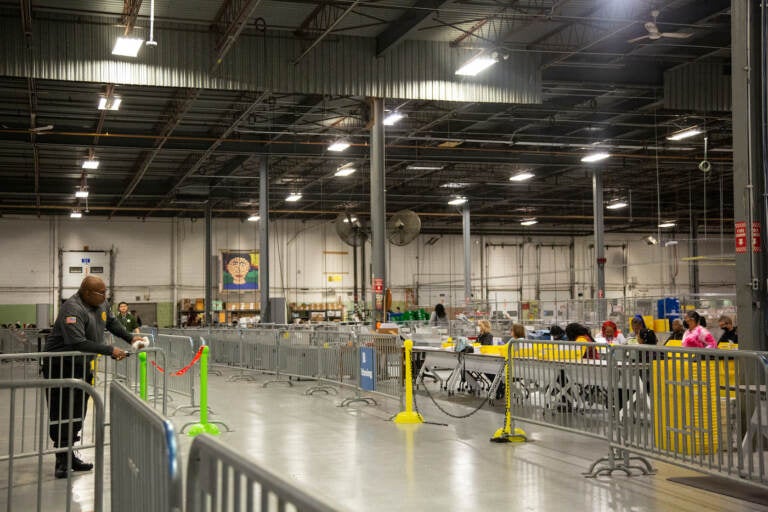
<point>358,460</point>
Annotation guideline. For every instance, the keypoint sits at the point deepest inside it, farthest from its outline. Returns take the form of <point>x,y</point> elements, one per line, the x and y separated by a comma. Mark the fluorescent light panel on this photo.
<point>109,103</point>
<point>528,222</point>
<point>522,176</point>
<point>339,146</point>
<point>667,224</point>
<point>83,193</point>
<point>91,164</point>
<point>253,217</point>
<point>127,46</point>
<point>595,157</point>
<point>457,201</point>
<point>293,197</point>
<point>75,215</point>
<point>350,219</point>
<point>345,171</point>
<point>617,205</point>
<point>424,167</point>
<point>392,118</point>
<point>453,185</point>
<point>476,65</point>
<point>684,134</point>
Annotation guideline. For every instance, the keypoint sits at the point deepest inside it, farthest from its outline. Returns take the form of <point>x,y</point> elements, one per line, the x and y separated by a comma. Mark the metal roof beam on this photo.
<point>324,21</point>
<point>130,13</point>
<point>399,29</point>
<point>231,20</point>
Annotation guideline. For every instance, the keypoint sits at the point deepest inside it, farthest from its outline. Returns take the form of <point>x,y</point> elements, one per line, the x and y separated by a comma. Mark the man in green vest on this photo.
<point>125,318</point>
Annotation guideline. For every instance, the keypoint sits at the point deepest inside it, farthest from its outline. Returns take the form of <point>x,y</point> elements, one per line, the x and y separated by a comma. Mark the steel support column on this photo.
<point>208,262</point>
<point>467,255</point>
<point>265,313</point>
<point>749,171</point>
<point>597,209</point>
<point>378,211</point>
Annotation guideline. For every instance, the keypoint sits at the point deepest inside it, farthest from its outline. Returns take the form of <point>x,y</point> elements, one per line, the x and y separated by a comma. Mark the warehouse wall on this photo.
<point>162,261</point>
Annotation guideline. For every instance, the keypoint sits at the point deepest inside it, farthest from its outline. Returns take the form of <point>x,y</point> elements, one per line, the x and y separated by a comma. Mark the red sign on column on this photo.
<point>378,284</point>
<point>756,237</point>
<point>741,237</point>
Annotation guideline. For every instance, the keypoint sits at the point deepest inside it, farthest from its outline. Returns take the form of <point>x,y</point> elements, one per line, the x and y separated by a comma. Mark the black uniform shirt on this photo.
<point>81,327</point>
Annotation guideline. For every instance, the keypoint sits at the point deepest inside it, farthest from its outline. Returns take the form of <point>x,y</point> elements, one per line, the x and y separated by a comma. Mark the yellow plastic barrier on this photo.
<point>692,386</point>
<point>494,350</point>
<point>661,325</point>
<point>674,343</point>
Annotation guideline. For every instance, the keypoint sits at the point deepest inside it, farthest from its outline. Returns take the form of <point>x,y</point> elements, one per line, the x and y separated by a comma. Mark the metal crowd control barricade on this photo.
<point>27,413</point>
<point>387,368</point>
<point>15,341</point>
<point>337,360</point>
<point>702,409</point>
<point>298,356</point>
<point>560,384</point>
<point>259,350</point>
<point>144,456</point>
<point>226,347</point>
<point>179,351</point>
<point>220,479</point>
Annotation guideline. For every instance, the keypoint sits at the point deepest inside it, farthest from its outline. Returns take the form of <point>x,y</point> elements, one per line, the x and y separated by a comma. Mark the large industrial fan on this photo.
<point>350,229</point>
<point>403,227</point>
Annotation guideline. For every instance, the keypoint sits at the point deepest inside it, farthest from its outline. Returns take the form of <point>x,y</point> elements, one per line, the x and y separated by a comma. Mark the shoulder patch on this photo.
<point>70,320</point>
<point>104,316</point>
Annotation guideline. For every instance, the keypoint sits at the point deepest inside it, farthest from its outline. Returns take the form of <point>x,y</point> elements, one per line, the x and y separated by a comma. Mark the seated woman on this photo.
<point>485,337</point>
<point>518,331</point>
<point>697,336</point>
<point>644,335</point>
<point>580,333</point>
<point>611,334</point>
<point>439,318</point>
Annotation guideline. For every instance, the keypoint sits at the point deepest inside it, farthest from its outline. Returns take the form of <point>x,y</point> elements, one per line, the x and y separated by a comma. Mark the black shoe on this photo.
<point>61,470</point>
<point>80,465</point>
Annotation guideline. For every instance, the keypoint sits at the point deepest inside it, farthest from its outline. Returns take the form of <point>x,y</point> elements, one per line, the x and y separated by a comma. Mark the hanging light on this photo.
<point>393,118</point>
<point>616,204</point>
<point>667,224</point>
<point>685,133</point>
<point>127,46</point>
<point>76,214</point>
<point>293,197</point>
<point>522,176</point>
<point>339,146</point>
<point>595,157</point>
<point>528,222</point>
<point>345,170</point>
<point>456,201</point>
<point>254,217</point>
<point>91,163</point>
<point>477,64</point>
<point>81,192</point>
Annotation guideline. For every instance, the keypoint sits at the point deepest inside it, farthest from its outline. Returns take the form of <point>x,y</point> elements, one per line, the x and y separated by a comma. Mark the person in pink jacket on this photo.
<point>697,336</point>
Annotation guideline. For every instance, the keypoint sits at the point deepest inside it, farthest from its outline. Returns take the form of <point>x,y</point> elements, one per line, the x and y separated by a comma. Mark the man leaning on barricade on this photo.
<point>79,326</point>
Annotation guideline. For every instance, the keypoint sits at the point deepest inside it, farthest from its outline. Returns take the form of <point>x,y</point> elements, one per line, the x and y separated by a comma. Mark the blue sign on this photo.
<point>368,368</point>
<point>85,260</point>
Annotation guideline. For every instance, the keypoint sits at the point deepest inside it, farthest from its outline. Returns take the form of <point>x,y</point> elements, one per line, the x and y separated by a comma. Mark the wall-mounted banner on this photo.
<point>239,270</point>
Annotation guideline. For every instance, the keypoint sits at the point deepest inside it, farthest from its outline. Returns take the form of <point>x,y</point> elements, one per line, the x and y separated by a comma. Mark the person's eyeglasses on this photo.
<point>103,294</point>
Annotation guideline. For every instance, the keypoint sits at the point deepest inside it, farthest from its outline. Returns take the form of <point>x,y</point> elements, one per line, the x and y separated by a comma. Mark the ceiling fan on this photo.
<point>654,33</point>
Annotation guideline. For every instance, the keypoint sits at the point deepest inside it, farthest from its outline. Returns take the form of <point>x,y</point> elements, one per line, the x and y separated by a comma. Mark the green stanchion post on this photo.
<point>143,375</point>
<point>204,427</point>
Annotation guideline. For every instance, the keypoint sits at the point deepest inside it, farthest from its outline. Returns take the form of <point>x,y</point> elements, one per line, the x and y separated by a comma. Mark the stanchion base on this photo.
<point>203,428</point>
<point>406,418</point>
<point>505,436</point>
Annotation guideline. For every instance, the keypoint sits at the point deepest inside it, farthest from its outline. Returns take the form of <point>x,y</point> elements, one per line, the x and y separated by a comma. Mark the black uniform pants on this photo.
<point>66,407</point>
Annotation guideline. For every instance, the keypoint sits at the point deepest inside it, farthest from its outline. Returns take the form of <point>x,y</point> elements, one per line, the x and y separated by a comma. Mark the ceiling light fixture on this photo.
<point>595,157</point>
<point>424,167</point>
<point>528,222</point>
<point>392,118</point>
<point>254,217</point>
<point>109,103</point>
<point>522,176</point>
<point>616,205</point>
<point>75,214</point>
<point>339,146</point>
<point>350,219</point>
<point>456,201</point>
<point>476,65</point>
<point>650,240</point>
<point>685,133</point>
<point>345,170</point>
<point>293,197</point>
<point>453,184</point>
<point>667,224</point>
<point>91,163</point>
<point>127,46</point>
<point>82,192</point>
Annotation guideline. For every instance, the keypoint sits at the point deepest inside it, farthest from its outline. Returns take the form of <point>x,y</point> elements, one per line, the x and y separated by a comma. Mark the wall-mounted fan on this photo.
<point>654,32</point>
<point>350,229</point>
<point>403,227</point>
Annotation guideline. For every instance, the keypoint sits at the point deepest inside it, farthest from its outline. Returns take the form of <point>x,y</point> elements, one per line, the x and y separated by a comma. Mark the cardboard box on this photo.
<point>200,304</point>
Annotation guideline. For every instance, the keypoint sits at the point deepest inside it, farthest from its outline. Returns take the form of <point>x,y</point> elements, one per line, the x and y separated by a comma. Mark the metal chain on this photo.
<point>457,416</point>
